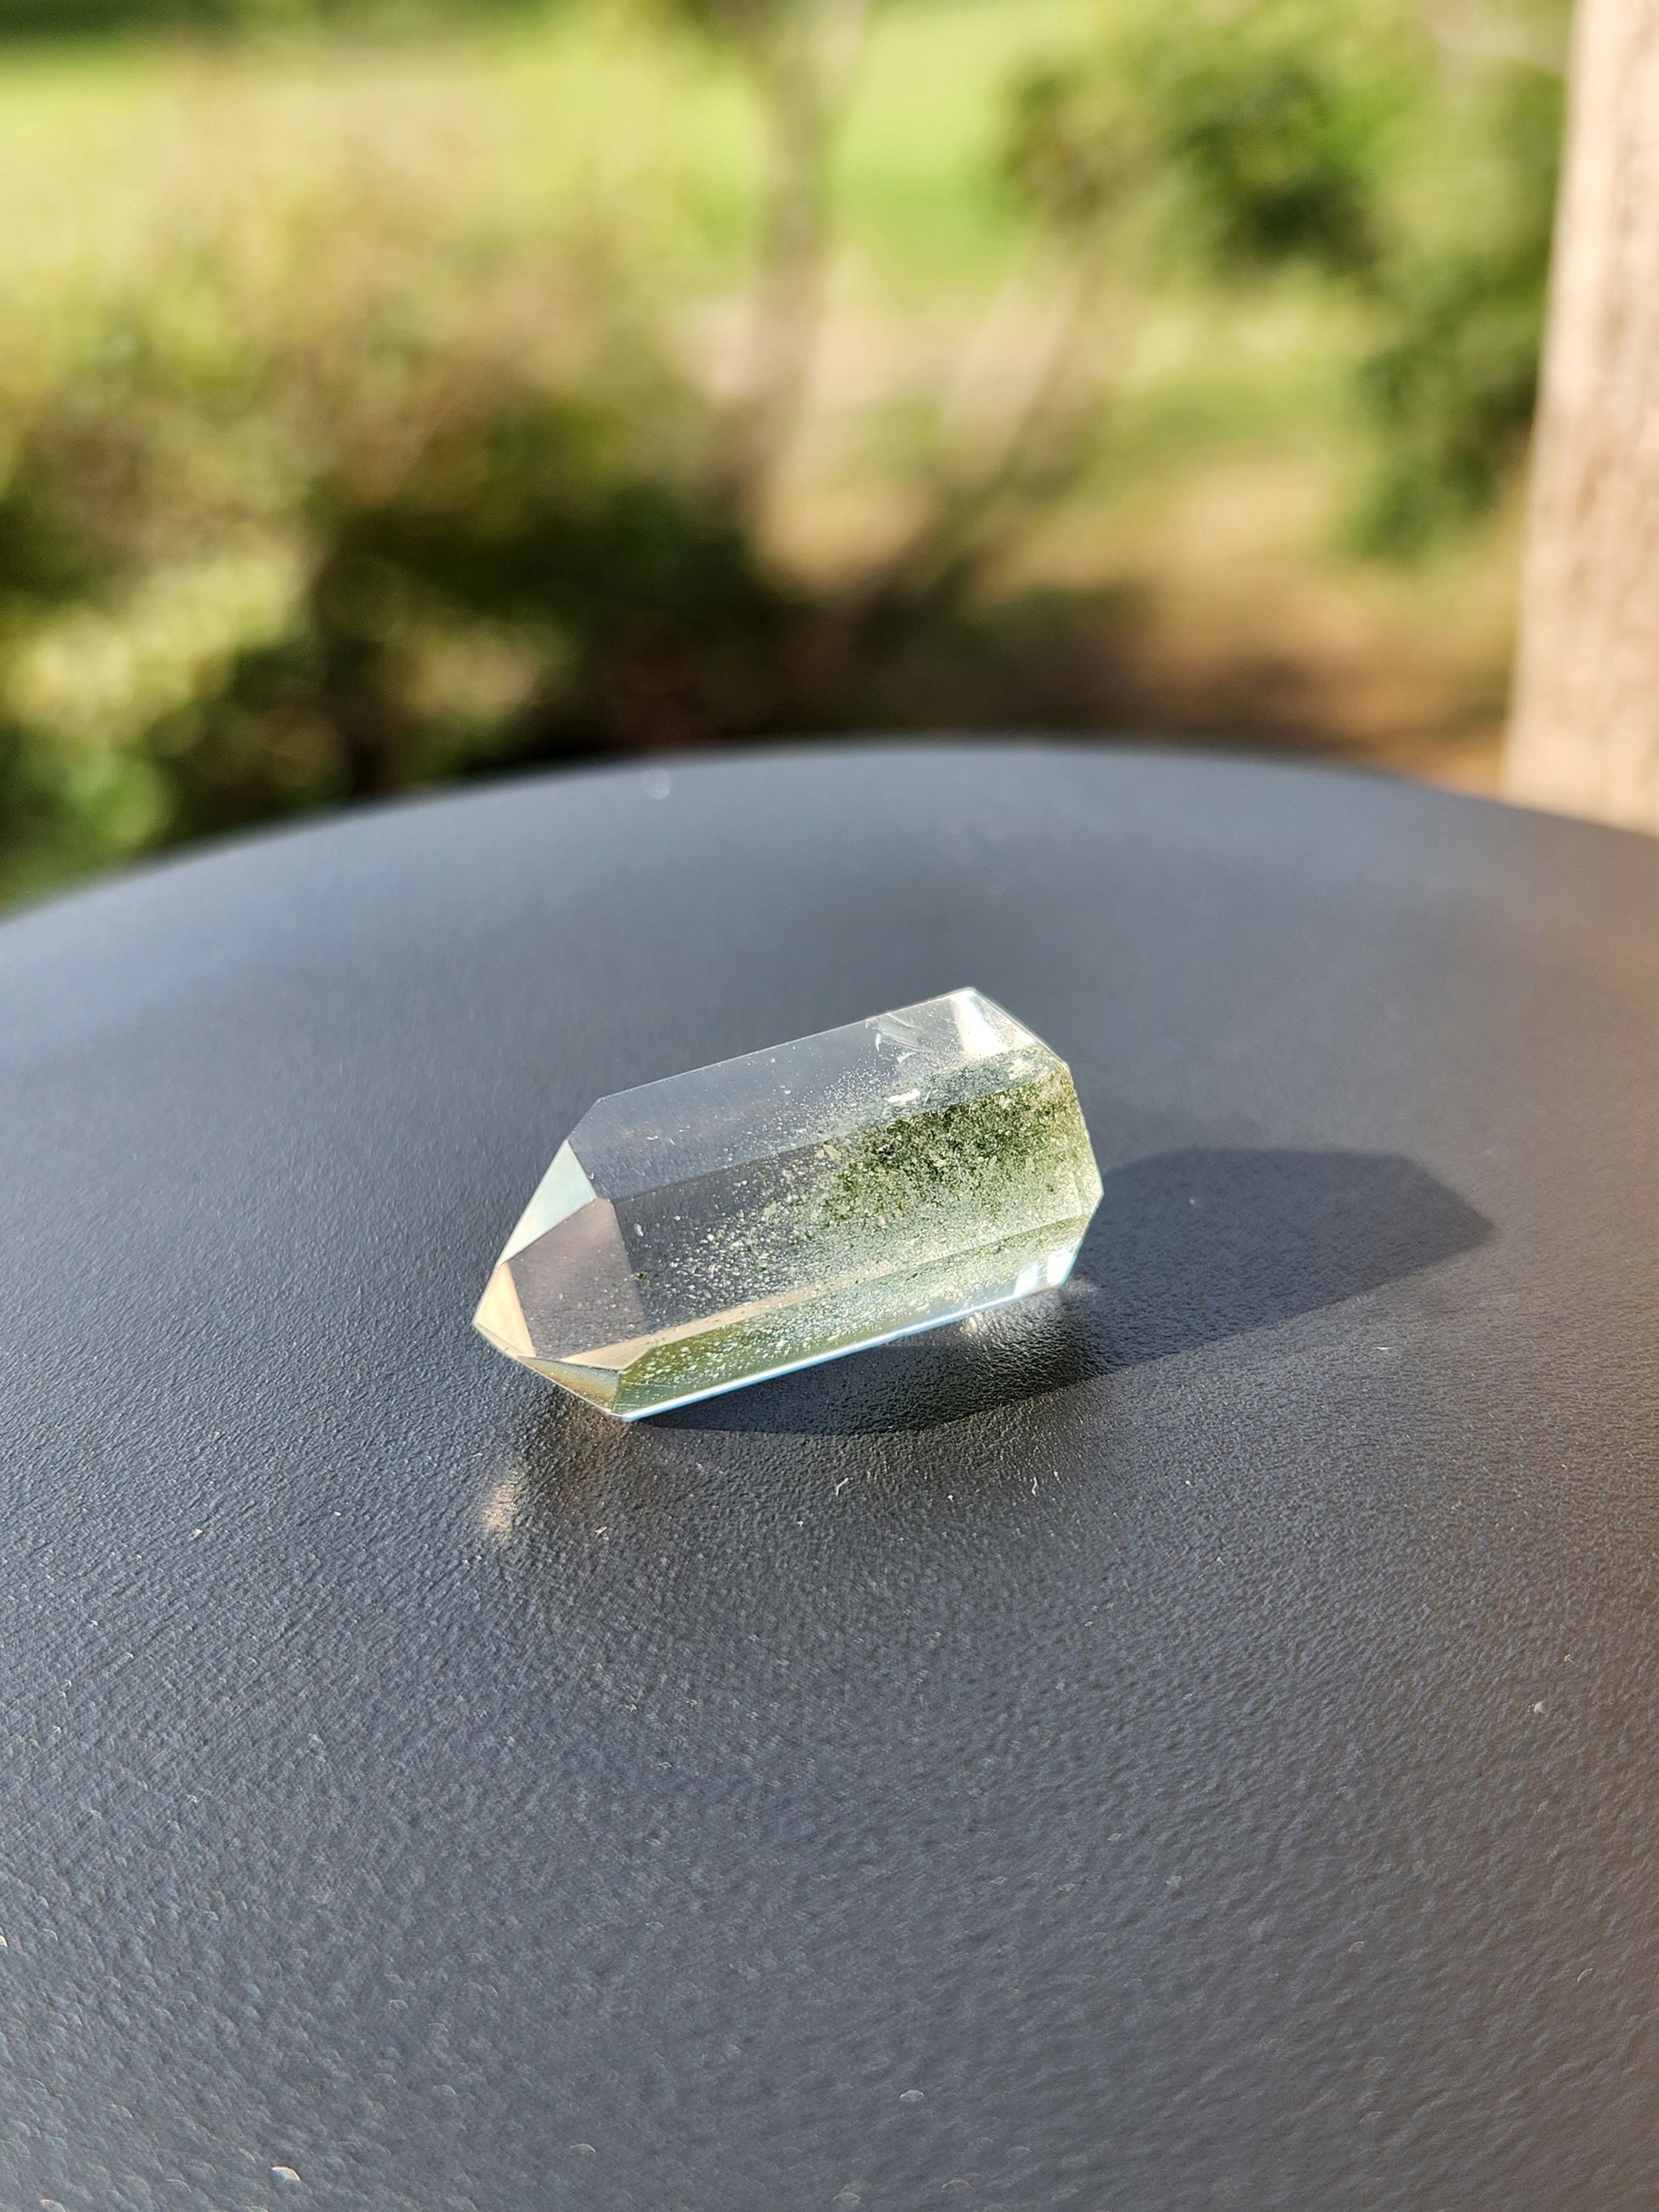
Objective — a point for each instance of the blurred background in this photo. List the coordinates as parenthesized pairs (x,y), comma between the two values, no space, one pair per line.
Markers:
(395,393)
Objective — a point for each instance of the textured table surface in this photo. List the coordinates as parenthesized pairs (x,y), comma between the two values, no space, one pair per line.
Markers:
(1187,1742)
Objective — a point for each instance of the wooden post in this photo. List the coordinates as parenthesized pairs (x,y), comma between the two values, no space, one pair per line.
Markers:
(1585,731)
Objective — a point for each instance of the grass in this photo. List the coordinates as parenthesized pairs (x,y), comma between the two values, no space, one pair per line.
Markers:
(580,101)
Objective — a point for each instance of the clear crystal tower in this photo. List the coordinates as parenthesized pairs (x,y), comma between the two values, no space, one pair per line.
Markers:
(702,1232)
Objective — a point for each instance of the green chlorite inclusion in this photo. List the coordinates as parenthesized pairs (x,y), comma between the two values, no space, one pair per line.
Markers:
(743,1219)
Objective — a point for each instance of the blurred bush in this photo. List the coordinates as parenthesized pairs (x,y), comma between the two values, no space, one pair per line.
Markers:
(352,439)
(1348,142)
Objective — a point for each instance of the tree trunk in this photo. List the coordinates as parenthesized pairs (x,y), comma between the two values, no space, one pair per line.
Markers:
(1585,732)
(807,72)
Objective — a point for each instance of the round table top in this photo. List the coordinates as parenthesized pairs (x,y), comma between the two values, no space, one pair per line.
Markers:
(1191,1740)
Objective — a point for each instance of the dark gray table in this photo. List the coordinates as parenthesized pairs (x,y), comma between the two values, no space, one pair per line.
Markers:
(1189,1743)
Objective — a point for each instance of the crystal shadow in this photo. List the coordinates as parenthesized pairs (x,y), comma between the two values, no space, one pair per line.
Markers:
(1188,1248)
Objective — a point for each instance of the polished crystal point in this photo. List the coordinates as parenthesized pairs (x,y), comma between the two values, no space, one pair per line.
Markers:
(743,1219)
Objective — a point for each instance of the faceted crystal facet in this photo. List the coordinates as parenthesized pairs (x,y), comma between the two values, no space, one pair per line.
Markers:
(743,1219)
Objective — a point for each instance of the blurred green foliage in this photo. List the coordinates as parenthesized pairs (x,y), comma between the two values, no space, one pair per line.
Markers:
(1289,133)
(79,19)
(1450,377)
(1259,132)
(358,434)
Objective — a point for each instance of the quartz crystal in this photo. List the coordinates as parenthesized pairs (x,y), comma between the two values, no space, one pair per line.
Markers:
(699,1233)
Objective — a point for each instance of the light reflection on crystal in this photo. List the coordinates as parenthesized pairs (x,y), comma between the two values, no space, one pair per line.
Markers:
(740,1220)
